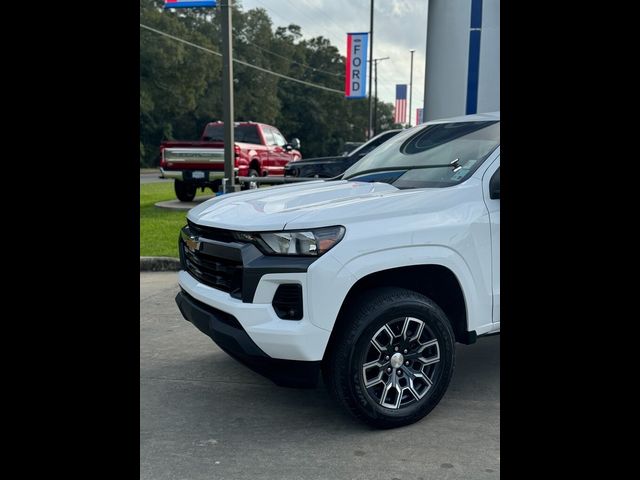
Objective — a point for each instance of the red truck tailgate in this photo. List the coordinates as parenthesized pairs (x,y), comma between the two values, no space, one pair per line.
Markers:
(193,155)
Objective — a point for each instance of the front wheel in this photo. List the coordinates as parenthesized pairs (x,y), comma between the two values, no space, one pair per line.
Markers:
(185,192)
(391,363)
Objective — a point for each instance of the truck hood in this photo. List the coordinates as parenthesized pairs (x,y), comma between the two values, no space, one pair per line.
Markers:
(312,204)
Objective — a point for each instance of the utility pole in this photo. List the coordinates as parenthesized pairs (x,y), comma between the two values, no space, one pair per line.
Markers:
(227,96)
(411,84)
(375,100)
(375,96)
(370,70)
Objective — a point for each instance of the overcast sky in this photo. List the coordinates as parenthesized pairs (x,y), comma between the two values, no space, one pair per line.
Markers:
(399,25)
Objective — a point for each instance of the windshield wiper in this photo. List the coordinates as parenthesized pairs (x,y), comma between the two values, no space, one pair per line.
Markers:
(453,165)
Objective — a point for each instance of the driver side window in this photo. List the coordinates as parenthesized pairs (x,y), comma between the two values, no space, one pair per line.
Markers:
(280,140)
(268,136)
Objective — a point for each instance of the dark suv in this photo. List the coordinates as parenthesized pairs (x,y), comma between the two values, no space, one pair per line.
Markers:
(329,167)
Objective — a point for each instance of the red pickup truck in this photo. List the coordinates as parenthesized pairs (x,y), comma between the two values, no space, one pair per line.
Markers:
(260,150)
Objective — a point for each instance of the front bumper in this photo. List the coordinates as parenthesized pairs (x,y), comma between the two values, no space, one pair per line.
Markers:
(228,333)
(227,278)
(298,340)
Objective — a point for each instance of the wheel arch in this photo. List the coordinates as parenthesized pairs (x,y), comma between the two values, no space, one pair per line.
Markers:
(256,165)
(435,281)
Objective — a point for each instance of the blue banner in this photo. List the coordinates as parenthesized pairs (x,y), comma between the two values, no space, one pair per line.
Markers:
(355,82)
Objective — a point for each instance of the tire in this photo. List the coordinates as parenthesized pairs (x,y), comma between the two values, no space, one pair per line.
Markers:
(215,186)
(184,191)
(405,401)
(251,185)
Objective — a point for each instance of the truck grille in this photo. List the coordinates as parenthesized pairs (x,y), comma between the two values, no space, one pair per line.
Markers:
(219,234)
(217,272)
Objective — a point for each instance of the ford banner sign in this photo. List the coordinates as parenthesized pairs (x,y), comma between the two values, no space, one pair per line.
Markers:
(355,85)
(189,3)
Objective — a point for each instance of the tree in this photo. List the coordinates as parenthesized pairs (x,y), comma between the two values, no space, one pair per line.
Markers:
(180,86)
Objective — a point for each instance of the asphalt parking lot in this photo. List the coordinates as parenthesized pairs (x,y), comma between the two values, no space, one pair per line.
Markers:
(205,416)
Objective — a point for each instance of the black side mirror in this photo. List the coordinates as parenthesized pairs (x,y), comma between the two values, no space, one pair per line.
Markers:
(494,186)
(295,143)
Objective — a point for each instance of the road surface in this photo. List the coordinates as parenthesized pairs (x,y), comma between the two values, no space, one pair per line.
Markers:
(205,416)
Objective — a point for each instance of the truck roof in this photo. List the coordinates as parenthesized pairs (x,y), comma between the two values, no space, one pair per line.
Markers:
(238,123)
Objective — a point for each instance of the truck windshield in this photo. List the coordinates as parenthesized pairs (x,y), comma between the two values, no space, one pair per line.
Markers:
(439,155)
(242,133)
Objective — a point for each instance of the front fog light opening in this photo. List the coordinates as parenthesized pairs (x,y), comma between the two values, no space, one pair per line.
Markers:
(287,301)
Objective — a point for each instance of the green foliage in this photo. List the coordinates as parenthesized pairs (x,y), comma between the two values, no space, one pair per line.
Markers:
(181,87)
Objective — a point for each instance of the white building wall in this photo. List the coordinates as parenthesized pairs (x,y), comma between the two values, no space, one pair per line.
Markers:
(447,59)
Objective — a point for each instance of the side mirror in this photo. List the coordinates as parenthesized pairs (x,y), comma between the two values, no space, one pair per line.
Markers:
(494,186)
(295,143)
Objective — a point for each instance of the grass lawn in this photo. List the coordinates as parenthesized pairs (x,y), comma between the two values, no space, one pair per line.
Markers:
(159,227)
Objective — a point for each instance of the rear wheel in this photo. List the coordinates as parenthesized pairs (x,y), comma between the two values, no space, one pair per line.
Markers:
(184,191)
(215,186)
(391,363)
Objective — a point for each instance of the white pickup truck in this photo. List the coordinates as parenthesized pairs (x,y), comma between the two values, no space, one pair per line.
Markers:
(370,279)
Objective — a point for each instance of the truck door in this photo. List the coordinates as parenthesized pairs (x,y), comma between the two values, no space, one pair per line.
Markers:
(270,142)
(491,193)
(280,155)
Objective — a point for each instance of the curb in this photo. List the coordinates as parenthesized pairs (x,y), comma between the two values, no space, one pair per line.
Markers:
(159,264)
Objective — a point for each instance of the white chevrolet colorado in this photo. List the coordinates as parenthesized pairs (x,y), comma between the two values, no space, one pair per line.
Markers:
(370,279)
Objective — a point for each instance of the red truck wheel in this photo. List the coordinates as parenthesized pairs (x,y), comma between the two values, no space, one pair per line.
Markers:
(184,191)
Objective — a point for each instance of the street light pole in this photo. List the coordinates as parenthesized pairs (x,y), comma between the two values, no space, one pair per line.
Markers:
(227,96)
(375,100)
(370,70)
(411,85)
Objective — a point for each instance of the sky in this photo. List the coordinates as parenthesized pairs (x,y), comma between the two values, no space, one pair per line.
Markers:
(399,26)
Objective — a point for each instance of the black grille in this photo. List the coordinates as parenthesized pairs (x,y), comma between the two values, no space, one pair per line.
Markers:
(220,273)
(219,234)
(287,302)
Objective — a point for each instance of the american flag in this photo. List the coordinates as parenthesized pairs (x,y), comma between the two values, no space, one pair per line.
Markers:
(401,104)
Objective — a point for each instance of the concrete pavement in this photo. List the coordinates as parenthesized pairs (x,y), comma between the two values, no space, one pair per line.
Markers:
(205,416)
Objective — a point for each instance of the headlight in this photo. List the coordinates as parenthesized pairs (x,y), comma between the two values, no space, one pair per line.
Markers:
(309,242)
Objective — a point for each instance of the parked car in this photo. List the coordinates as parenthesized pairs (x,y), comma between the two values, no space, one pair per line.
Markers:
(329,167)
(350,147)
(370,279)
(260,150)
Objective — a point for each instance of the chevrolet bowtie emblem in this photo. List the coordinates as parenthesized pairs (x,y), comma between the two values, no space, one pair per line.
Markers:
(192,244)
